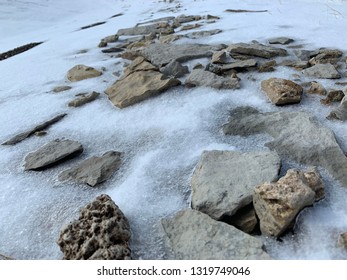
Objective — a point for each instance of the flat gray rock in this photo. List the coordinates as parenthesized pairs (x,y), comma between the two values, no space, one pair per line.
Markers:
(162,54)
(322,71)
(94,170)
(239,65)
(258,50)
(52,153)
(203,33)
(200,77)
(281,40)
(174,69)
(193,235)
(223,181)
(297,136)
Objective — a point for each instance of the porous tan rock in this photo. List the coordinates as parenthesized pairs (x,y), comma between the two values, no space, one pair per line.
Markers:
(101,232)
(82,72)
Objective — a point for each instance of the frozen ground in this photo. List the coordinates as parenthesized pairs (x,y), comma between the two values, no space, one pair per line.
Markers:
(162,138)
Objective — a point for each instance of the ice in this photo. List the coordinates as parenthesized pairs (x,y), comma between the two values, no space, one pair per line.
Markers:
(162,138)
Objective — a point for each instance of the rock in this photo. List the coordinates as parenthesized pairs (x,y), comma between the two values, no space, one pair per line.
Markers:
(23,135)
(267,66)
(258,50)
(110,39)
(203,33)
(277,204)
(340,113)
(174,69)
(128,41)
(326,56)
(170,38)
(190,26)
(223,181)
(101,232)
(305,55)
(94,170)
(281,40)
(147,84)
(40,133)
(316,88)
(219,57)
(162,54)
(195,236)
(239,65)
(157,28)
(333,96)
(83,99)
(322,71)
(81,72)
(199,77)
(113,50)
(298,65)
(297,136)
(61,88)
(52,153)
(342,241)
(102,44)
(281,91)
(183,18)
(198,66)
(139,64)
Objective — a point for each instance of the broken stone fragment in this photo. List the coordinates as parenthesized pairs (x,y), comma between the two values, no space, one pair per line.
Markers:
(203,33)
(219,57)
(139,64)
(200,77)
(83,99)
(331,56)
(282,91)
(256,49)
(281,40)
(316,88)
(82,72)
(267,66)
(190,26)
(157,28)
(193,235)
(333,96)
(323,71)
(102,232)
(52,154)
(94,170)
(174,69)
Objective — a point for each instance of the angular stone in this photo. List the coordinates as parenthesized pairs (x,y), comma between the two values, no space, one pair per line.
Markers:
(184,18)
(113,50)
(170,38)
(101,232)
(281,40)
(174,69)
(190,26)
(331,56)
(139,64)
(322,71)
(94,170)
(156,28)
(223,181)
(21,136)
(195,236)
(277,204)
(244,220)
(61,88)
(298,136)
(305,55)
(84,99)
(203,33)
(219,57)
(82,72)
(162,54)
(147,84)
(340,113)
(316,88)
(267,66)
(258,50)
(239,65)
(110,39)
(333,96)
(281,91)
(52,153)
(199,77)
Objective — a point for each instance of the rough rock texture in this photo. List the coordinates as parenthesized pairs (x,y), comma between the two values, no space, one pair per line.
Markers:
(101,232)
(203,33)
(52,153)
(84,99)
(157,28)
(199,77)
(277,204)
(342,241)
(281,40)
(267,66)
(82,72)
(184,18)
(23,135)
(316,88)
(223,181)
(340,113)
(333,96)
(94,170)
(326,56)
(322,71)
(147,84)
(256,50)
(162,54)
(174,69)
(139,64)
(61,88)
(219,57)
(281,91)
(239,65)
(195,236)
(297,136)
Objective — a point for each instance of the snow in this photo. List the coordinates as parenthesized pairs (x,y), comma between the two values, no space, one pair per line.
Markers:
(162,138)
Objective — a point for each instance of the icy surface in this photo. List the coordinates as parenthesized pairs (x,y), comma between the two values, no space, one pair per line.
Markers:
(163,137)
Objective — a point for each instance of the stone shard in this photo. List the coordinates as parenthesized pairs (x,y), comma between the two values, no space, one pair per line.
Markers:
(200,77)
(278,204)
(174,69)
(322,71)
(162,54)
(21,136)
(84,99)
(94,170)
(101,232)
(258,50)
(281,40)
(297,136)
(282,91)
(323,56)
(52,153)
(82,72)
(219,57)
(61,88)
(157,28)
(223,181)
(340,113)
(195,236)
(147,84)
(239,65)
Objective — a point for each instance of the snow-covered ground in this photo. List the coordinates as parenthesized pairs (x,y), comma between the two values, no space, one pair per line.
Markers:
(162,137)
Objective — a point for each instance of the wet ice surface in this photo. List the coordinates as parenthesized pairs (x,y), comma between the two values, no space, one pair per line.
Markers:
(162,138)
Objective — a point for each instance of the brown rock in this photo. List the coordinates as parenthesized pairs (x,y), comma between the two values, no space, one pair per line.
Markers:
(333,96)
(342,241)
(316,88)
(219,57)
(281,91)
(267,66)
(83,99)
(61,88)
(82,72)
